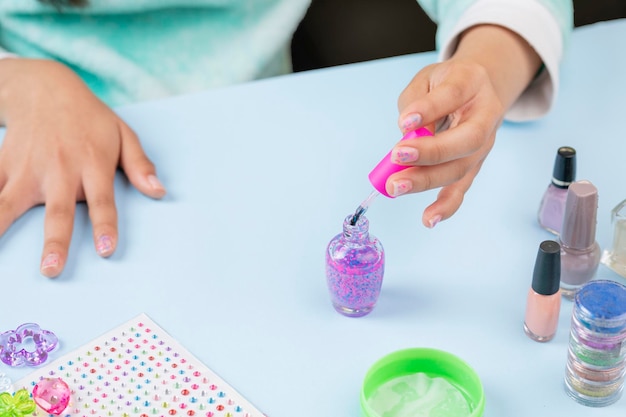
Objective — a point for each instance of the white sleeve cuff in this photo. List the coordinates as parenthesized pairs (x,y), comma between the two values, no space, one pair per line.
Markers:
(5,54)
(533,22)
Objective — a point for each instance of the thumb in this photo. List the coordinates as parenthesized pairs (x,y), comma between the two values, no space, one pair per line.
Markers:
(136,165)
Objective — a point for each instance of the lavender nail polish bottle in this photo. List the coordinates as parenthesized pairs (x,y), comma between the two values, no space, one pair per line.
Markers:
(552,205)
(355,264)
(580,252)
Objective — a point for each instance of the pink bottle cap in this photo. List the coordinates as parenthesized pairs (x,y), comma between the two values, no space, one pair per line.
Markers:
(382,171)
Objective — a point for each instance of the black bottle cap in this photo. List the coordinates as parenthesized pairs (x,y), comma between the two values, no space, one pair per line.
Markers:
(547,274)
(564,172)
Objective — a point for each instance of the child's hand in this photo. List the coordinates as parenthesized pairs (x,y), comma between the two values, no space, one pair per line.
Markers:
(466,98)
(459,95)
(63,145)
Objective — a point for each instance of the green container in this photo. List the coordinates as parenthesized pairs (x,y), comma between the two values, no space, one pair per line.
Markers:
(432,362)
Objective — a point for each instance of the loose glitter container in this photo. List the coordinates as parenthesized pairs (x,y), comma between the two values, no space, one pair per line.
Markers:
(596,360)
(421,382)
(355,264)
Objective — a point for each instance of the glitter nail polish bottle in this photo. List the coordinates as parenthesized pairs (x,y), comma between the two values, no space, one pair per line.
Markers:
(580,253)
(552,205)
(544,299)
(355,264)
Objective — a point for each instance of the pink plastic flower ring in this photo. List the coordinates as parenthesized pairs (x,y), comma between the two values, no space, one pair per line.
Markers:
(52,395)
(14,345)
(17,405)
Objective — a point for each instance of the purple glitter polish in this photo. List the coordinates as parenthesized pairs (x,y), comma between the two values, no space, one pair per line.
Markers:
(355,264)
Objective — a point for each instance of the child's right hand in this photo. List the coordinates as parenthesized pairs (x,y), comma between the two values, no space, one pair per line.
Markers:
(62,146)
(469,94)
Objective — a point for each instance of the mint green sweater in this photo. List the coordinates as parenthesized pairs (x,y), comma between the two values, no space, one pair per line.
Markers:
(134,50)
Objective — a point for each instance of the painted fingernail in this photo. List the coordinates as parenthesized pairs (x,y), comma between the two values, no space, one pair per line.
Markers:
(411,122)
(403,154)
(104,245)
(155,183)
(433,221)
(50,264)
(400,187)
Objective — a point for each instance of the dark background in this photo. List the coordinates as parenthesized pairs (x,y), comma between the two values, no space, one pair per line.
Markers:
(336,32)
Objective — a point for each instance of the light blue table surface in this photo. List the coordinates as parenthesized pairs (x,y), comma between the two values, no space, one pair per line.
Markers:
(260,178)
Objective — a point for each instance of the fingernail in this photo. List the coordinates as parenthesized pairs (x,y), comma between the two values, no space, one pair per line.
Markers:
(400,187)
(155,183)
(403,154)
(411,122)
(50,264)
(433,222)
(104,245)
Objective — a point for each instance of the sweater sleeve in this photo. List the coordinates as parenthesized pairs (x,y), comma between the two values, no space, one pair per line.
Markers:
(545,24)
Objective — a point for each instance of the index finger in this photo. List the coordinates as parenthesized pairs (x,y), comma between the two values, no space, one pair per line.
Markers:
(438,91)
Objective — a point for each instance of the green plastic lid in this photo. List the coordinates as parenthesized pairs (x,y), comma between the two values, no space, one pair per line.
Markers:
(430,365)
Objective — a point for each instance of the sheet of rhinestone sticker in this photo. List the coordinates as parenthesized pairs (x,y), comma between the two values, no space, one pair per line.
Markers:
(138,370)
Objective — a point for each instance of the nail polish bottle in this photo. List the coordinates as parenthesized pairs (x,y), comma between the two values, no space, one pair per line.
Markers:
(355,264)
(552,205)
(580,253)
(544,298)
(615,257)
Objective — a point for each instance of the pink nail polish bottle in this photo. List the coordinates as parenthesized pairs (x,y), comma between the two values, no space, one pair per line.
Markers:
(544,299)
(382,171)
(552,205)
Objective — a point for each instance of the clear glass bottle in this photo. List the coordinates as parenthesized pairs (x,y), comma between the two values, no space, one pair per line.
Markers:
(552,204)
(355,264)
(615,257)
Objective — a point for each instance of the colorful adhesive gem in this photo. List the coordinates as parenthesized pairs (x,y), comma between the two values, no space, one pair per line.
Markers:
(12,342)
(113,378)
(5,383)
(52,395)
(17,405)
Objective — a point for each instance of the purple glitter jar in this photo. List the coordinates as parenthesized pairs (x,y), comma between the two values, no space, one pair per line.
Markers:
(355,263)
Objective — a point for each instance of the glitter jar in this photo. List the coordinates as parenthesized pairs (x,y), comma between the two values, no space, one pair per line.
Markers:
(596,360)
(355,263)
